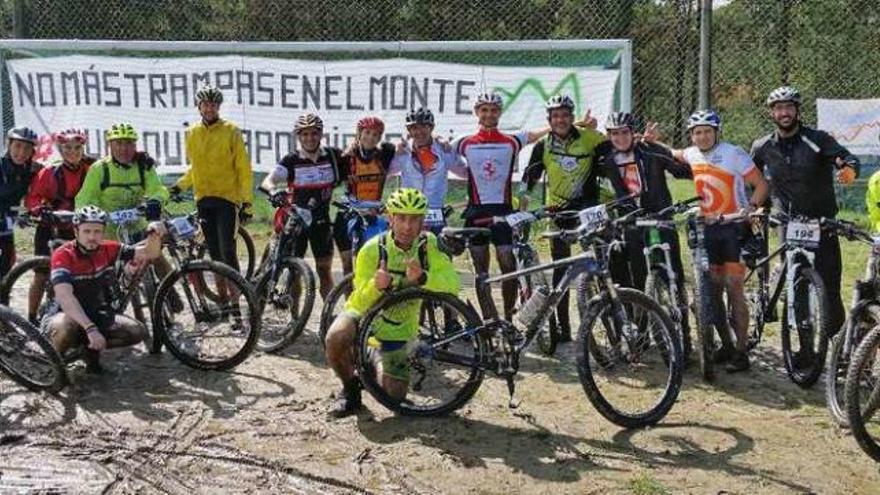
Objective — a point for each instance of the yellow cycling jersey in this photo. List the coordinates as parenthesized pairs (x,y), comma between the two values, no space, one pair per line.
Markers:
(219,164)
(872,200)
(399,323)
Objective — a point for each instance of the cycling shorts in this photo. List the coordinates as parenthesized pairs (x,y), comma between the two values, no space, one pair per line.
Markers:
(395,360)
(501,234)
(724,243)
(7,254)
(219,219)
(319,236)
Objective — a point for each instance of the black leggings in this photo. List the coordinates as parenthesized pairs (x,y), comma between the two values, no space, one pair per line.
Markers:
(220,223)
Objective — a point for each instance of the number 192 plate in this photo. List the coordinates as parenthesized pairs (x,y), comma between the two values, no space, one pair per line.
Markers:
(593,217)
(803,232)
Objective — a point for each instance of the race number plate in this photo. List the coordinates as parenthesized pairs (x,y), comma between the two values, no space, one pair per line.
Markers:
(592,218)
(305,214)
(434,217)
(122,217)
(518,218)
(803,232)
(182,228)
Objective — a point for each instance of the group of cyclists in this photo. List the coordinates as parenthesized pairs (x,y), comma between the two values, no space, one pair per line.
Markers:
(794,166)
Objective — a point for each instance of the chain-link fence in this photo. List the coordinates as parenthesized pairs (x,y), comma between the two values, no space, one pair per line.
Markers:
(828,48)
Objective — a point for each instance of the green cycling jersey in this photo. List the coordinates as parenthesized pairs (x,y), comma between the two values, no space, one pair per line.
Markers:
(112,186)
(401,322)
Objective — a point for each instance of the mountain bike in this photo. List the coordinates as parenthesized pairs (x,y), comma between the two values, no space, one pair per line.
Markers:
(453,349)
(805,325)
(285,284)
(710,315)
(864,315)
(862,393)
(662,283)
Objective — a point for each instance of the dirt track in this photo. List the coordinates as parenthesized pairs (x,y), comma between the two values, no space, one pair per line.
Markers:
(153,425)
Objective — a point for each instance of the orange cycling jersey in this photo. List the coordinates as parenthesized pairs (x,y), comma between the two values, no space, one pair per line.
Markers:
(367,172)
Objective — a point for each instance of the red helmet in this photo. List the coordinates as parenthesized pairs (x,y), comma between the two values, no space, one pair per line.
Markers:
(70,135)
(371,122)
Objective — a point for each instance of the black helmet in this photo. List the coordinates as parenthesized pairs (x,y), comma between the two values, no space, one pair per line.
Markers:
(420,116)
(559,101)
(309,121)
(619,120)
(22,134)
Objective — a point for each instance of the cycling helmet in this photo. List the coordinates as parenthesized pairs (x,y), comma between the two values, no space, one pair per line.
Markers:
(90,214)
(784,93)
(619,120)
(309,121)
(209,93)
(122,130)
(70,136)
(407,201)
(22,134)
(370,122)
(704,117)
(420,116)
(491,98)
(559,101)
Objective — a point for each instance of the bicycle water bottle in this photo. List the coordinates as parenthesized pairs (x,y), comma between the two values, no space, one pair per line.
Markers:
(536,303)
(654,237)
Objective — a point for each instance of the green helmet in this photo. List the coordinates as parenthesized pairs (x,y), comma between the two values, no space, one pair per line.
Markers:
(122,130)
(407,201)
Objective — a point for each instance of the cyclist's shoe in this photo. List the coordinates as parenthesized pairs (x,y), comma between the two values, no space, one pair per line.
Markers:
(723,354)
(739,362)
(803,359)
(348,402)
(93,362)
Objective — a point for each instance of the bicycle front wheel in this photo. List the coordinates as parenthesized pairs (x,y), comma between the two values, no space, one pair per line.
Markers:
(438,370)
(863,394)
(27,357)
(205,334)
(862,321)
(640,376)
(285,301)
(657,288)
(705,327)
(805,340)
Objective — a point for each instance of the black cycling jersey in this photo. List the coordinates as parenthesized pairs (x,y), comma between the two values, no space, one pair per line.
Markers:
(644,175)
(800,170)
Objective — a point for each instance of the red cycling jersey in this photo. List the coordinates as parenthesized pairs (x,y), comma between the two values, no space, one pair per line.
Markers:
(57,186)
(91,274)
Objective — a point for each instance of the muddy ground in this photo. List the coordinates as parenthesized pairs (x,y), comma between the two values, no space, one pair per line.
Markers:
(152,425)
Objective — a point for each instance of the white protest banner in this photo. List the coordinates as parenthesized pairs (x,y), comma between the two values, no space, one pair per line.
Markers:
(265,95)
(854,123)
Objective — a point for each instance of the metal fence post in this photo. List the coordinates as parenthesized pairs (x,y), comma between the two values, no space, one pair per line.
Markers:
(19,19)
(705,88)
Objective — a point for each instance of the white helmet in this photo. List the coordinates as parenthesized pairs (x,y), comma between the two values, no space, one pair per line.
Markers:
(784,93)
(490,98)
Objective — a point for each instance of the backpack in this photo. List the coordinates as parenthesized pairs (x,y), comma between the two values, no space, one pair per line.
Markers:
(105,180)
(423,251)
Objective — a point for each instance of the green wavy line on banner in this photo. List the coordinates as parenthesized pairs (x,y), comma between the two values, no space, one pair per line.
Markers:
(538,87)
